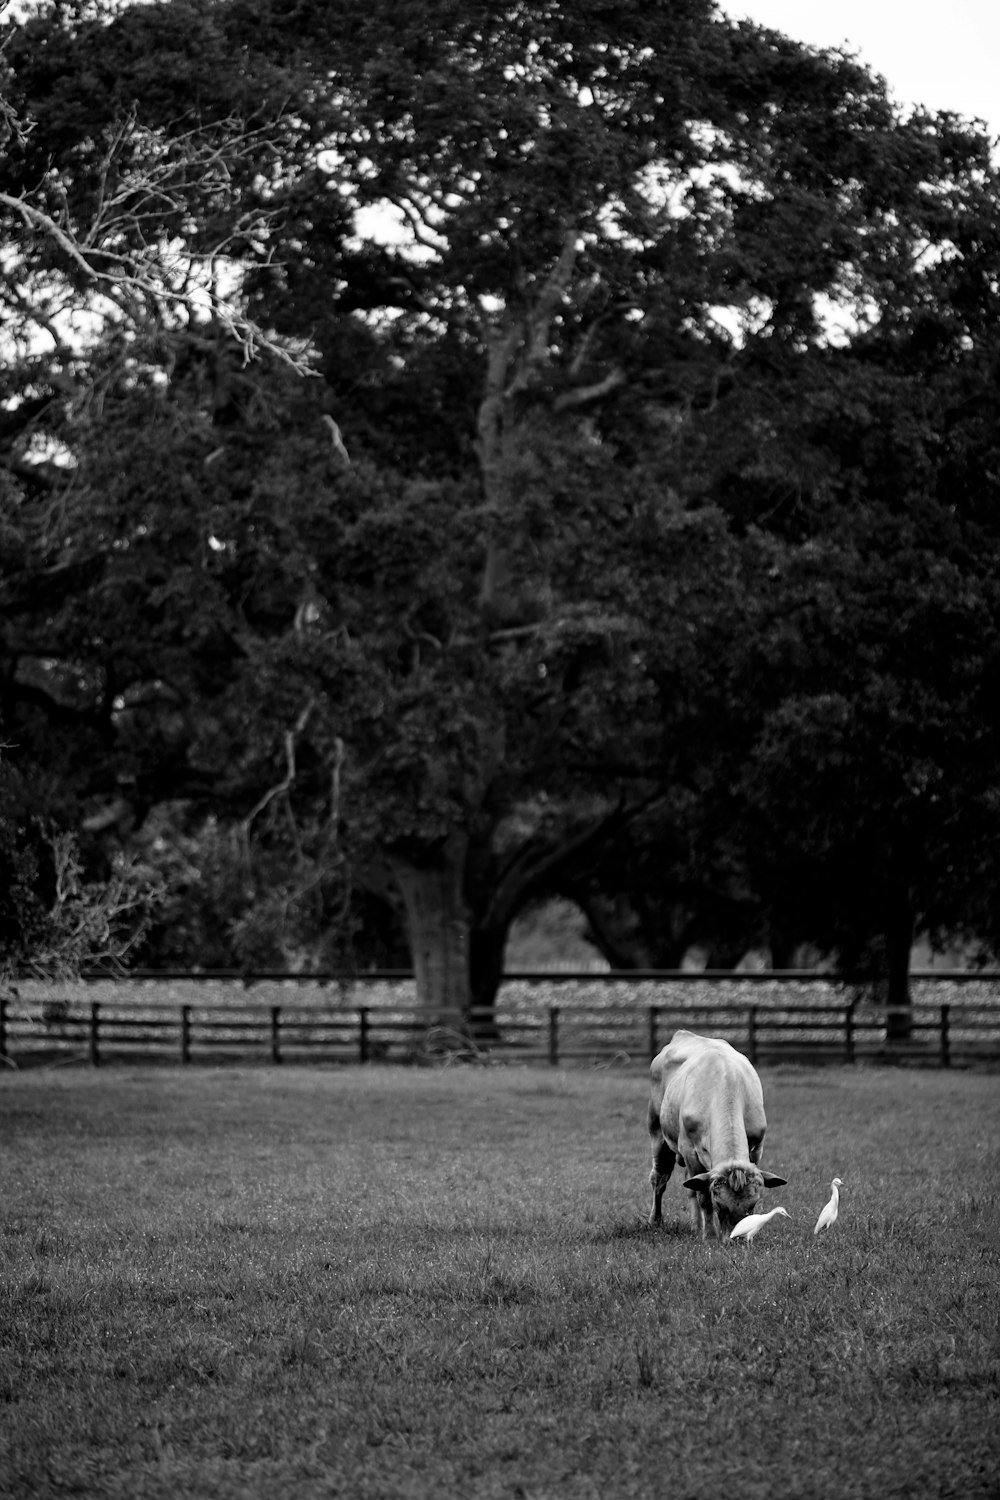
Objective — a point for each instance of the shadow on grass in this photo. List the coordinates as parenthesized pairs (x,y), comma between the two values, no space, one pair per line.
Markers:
(641,1229)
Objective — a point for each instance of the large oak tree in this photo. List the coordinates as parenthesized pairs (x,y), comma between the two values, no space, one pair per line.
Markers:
(540,256)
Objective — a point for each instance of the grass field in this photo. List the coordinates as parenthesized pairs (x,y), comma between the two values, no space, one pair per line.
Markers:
(405,1283)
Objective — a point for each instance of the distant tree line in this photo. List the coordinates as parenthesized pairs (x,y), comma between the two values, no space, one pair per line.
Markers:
(453,456)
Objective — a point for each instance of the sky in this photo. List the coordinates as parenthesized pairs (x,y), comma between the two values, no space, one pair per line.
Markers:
(942,55)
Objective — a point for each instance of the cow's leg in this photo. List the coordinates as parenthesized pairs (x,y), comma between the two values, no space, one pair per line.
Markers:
(699,1218)
(663,1165)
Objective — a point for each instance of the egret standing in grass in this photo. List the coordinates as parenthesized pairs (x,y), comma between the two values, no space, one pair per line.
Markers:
(748,1227)
(830,1211)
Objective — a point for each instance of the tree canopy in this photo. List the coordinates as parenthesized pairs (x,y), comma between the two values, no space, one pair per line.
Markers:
(616,473)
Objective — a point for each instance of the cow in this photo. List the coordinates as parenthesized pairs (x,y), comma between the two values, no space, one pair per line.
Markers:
(707,1107)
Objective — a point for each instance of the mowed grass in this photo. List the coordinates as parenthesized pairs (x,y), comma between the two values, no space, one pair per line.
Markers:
(390,1283)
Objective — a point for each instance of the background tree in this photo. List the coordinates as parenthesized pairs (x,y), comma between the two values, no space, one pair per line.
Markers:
(113,277)
(451,665)
(872,469)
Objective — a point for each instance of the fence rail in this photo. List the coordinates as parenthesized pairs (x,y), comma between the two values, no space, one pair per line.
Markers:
(943,1035)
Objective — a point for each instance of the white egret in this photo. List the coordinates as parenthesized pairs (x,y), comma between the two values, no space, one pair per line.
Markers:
(748,1227)
(829,1214)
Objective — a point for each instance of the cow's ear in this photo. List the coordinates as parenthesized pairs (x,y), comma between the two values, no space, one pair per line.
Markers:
(700,1182)
(770,1180)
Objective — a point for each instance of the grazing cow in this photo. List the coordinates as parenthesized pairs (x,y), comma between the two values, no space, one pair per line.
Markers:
(706,1106)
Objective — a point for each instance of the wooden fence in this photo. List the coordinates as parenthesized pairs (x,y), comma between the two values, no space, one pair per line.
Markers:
(59,1030)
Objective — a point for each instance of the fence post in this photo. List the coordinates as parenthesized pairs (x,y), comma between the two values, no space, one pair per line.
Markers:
(185,1033)
(553,1035)
(95,1044)
(276,1033)
(849,1033)
(363,1033)
(654,1030)
(945,1038)
(752,1033)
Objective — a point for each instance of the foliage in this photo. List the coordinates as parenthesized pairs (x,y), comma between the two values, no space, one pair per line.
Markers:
(111,213)
(880,752)
(678,333)
(53,920)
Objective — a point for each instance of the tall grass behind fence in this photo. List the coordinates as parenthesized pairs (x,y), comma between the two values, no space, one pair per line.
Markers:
(539,1018)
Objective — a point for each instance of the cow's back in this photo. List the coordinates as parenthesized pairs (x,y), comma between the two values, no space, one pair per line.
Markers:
(702,1088)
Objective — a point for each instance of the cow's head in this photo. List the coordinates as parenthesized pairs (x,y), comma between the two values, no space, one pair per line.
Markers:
(733,1189)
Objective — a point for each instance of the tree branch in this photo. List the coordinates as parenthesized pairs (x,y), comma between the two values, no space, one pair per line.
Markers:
(549,300)
(291,736)
(583,395)
(530,870)
(158,267)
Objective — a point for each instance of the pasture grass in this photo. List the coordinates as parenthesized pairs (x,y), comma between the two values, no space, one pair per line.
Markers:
(404,1283)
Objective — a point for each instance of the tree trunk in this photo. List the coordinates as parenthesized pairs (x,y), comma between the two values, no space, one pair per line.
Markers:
(623,938)
(898,944)
(437,921)
(488,948)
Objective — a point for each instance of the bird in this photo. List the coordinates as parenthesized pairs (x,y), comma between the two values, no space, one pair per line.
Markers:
(829,1214)
(748,1227)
